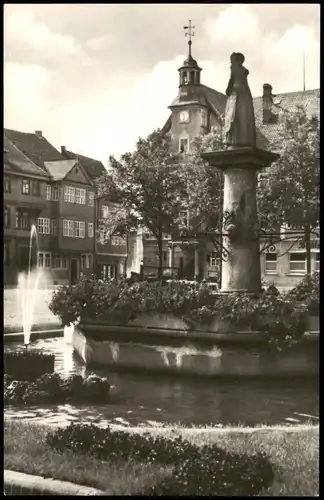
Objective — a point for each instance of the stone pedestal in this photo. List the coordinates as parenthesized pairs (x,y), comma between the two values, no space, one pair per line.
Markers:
(241,271)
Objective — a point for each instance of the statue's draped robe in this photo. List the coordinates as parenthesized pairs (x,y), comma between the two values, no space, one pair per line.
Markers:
(239,127)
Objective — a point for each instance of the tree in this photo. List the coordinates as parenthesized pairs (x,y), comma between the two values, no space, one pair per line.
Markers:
(148,188)
(203,195)
(290,194)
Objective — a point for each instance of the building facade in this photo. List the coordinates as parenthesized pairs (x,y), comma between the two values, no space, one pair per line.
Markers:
(54,191)
(197,110)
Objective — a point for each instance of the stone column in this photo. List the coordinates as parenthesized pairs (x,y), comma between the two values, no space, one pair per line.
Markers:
(196,257)
(241,271)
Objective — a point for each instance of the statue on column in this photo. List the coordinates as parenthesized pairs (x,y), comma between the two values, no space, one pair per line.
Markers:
(239,127)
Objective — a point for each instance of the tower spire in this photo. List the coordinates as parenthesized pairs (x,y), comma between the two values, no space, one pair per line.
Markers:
(190,34)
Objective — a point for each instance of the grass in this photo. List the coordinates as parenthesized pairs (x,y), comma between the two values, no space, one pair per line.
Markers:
(293,451)
(25,450)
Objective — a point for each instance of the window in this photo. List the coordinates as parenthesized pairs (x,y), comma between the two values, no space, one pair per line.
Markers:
(86,260)
(36,188)
(297,262)
(184,145)
(52,193)
(89,260)
(5,253)
(90,229)
(117,241)
(91,199)
(43,225)
(263,180)
(80,196)
(48,192)
(55,193)
(165,256)
(69,194)
(54,227)
(213,259)
(44,260)
(59,262)
(23,220)
(79,229)
(83,261)
(6,184)
(25,189)
(271,262)
(317,261)
(6,217)
(204,118)
(104,211)
(68,228)
(184,218)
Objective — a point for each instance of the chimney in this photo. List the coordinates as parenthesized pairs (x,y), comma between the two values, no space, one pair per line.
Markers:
(39,134)
(267,102)
(63,148)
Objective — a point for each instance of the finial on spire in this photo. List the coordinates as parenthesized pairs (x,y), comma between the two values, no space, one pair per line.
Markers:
(190,34)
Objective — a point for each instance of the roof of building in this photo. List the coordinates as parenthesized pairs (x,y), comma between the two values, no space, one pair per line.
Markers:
(93,168)
(216,101)
(265,132)
(16,161)
(203,95)
(309,99)
(59,169)
(35,146)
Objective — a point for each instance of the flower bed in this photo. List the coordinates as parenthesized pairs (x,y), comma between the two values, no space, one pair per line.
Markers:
(281,317)
(206,470)
(27,365)
(54,389)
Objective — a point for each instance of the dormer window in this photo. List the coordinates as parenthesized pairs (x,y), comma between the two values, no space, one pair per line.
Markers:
(184,145)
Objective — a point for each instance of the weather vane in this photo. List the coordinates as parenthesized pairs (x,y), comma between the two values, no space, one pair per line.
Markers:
(190,34)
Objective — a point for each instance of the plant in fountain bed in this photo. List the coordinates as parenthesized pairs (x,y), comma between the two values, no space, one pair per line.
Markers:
(280,317)
(52,388)
(28,365)
(206,470)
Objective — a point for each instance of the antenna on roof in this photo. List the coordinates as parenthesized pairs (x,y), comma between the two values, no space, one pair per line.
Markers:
(304,78)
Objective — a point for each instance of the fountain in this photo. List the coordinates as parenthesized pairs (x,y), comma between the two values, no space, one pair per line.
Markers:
(28,365)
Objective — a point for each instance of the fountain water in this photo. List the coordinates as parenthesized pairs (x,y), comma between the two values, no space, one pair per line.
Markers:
(28,365)
(27,290)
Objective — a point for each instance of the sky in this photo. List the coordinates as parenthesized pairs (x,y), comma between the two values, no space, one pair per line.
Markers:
(95,77)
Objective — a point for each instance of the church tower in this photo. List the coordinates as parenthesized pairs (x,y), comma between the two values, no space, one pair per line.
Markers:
(190,113)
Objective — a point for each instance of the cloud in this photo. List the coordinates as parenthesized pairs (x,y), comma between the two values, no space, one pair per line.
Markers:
(26,40)
(99,43)
(237,27)
(95,77)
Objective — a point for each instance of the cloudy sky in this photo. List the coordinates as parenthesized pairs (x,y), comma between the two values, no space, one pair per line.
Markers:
(95,77)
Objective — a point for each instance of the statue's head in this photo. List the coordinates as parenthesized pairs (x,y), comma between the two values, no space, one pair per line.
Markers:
(237,58)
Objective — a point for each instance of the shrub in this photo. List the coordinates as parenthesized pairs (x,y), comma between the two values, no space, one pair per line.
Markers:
(281,317)
(208,470)
(307,292)
(52,388)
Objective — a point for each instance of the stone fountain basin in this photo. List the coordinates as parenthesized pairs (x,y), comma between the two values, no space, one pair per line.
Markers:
(28,365)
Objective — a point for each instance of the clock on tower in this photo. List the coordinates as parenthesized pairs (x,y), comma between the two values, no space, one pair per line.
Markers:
(184,116)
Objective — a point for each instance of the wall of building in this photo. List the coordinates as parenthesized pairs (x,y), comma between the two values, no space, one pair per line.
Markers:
(189,129)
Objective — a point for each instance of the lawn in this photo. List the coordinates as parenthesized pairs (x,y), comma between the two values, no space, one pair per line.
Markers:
(25,451)
(13,313)
(294,453)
